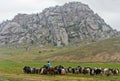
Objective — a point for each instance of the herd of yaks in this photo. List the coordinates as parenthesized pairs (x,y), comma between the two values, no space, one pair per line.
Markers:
(60,70)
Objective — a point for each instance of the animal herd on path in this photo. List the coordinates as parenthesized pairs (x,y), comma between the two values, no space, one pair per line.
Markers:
(60,70)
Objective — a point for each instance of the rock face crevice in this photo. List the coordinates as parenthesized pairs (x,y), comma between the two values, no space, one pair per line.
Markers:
(64,25)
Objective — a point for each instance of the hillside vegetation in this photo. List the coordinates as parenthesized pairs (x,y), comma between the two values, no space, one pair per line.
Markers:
(13,59)
(102,51)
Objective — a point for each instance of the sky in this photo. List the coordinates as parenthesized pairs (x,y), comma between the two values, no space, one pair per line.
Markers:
(109,10)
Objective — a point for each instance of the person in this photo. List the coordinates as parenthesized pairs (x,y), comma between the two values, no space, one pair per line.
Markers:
(48,64)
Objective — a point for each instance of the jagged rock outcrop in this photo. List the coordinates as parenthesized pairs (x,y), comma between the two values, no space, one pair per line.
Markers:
(71,23)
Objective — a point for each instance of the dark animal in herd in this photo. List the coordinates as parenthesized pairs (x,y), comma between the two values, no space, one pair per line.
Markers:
(28,70)
(78,70)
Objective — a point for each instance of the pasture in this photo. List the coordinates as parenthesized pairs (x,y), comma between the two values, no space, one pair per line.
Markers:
(12,71)
(101,54)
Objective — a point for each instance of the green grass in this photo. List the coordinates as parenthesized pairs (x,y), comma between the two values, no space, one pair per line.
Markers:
(108,50)
(102,54)
(12,71)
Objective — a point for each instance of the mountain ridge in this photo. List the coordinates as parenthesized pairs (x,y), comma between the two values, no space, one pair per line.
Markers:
(70,24)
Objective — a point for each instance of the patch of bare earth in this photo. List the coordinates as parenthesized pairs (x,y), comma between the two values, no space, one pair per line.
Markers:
(100,57)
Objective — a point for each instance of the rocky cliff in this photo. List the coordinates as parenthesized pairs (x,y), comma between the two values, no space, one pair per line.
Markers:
(69,24)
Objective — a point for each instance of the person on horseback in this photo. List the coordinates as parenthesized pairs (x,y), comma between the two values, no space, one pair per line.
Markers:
(48,65)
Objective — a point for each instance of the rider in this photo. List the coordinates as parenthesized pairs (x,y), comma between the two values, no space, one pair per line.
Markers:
(48,64)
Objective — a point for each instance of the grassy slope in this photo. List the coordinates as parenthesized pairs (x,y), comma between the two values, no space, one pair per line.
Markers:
(13,59)
(101,51)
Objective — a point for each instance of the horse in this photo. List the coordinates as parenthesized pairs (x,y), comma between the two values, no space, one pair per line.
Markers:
(27,69)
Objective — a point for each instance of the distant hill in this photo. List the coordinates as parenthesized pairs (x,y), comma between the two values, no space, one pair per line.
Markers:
(73,23)
(101,51)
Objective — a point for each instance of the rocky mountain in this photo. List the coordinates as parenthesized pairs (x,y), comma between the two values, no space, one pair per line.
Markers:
(69,24)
